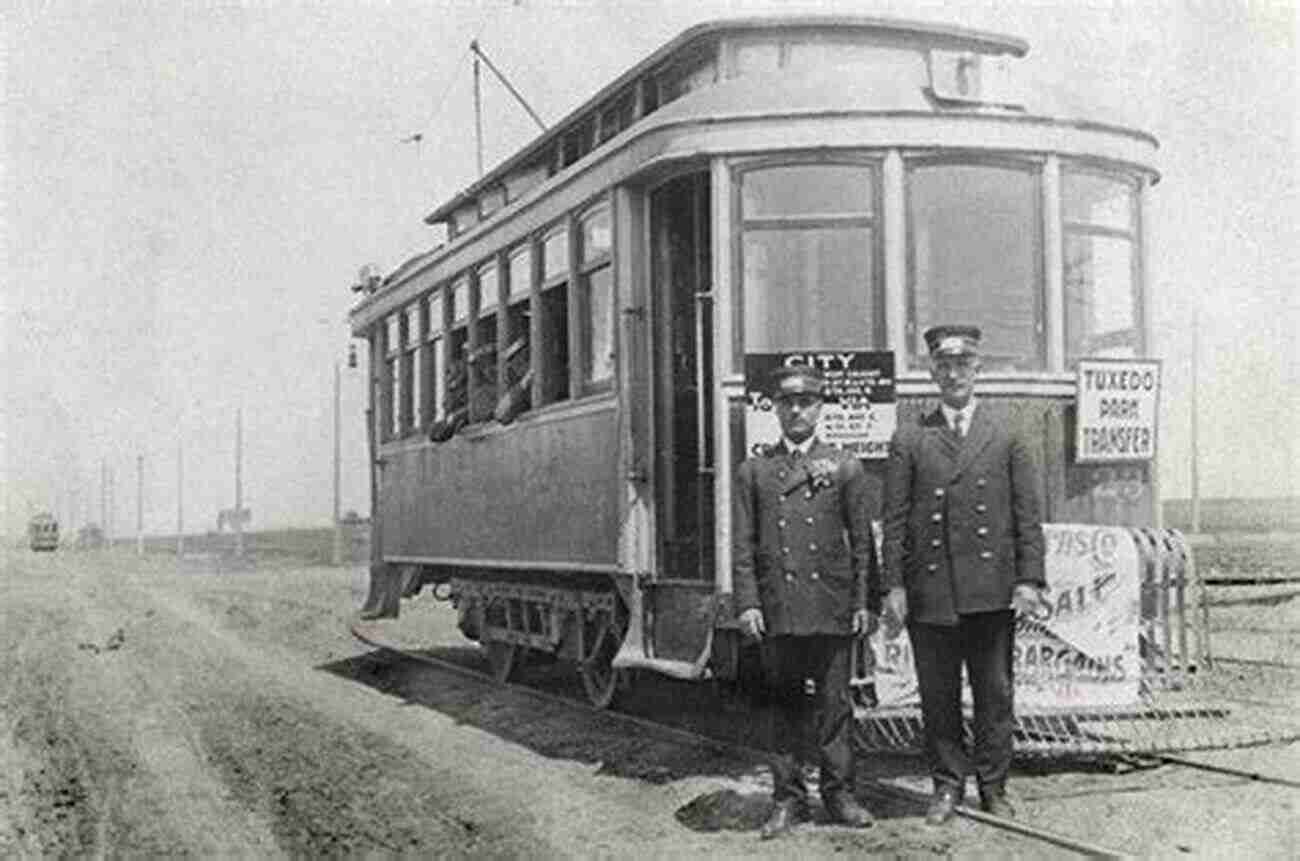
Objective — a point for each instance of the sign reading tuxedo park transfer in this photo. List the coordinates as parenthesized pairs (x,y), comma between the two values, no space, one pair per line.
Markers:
(859,415)
(1117,405)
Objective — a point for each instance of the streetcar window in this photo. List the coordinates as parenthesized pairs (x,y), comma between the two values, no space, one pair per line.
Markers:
(597,296)
(555,316)
(483,359)
(975,258)
(412,343)
(809,237)
(1100,266)
(458,344)
(518,320)
(393,348)
(434,364)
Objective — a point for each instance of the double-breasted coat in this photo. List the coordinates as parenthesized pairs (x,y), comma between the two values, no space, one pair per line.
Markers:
(802,547)
(961,517)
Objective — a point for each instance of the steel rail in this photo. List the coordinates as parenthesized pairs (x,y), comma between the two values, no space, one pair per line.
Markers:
(919,799)
(1223,769)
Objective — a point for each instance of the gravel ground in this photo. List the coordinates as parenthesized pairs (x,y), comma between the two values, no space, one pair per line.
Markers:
(147,709)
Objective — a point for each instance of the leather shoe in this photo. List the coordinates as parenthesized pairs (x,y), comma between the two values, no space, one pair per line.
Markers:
(943,805)
(845,809)
(997,804)
(784,816)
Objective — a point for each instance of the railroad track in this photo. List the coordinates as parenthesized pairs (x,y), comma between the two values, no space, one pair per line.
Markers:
(878,789)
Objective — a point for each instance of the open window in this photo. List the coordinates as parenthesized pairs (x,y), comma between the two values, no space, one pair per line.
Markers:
(392,412)
(516,362)
(434,408)
(483,350)
(554,335)
(596,289)
(458,355)
(412,347)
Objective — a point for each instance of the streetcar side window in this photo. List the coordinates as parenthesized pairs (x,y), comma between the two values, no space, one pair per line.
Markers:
(458,349)
(392,377)
(810,259)
(1100,278)
(596,290)
(483,355)
(434,407)
(975,255)
(555,315)
(412,343)
(518,356)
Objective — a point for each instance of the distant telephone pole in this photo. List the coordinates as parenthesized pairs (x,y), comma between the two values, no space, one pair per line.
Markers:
(1195,465)
(180,500)
(139,505)
(239,482)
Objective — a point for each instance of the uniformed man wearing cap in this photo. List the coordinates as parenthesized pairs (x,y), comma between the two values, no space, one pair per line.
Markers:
(806,581)
(963,553)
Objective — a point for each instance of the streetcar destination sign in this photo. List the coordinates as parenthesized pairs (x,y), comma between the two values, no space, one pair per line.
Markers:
(1117,404)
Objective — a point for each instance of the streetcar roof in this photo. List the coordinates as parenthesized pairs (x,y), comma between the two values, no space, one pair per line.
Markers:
(914,34)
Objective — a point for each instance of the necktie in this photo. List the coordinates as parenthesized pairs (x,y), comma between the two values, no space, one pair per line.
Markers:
(957,424)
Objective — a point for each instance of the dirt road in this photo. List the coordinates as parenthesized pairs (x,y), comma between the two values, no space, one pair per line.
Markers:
(151,709)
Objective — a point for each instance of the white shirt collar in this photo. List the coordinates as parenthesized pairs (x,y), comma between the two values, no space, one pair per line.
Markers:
(967,413)
(801,447)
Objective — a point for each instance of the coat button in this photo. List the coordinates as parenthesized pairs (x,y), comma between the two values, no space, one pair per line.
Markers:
(938,492)
(983,530)
(785,549)
(815,575)
(808,495)
(986,554)
(780,473)
(937,517)
(980,482)
(812,547)
(808,520)
(932,567)
(789,577)
(781,522)
(981,508)
(936,542)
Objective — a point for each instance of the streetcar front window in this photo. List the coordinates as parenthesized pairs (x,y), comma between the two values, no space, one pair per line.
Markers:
(975,258)
(1100,277)
(809,258)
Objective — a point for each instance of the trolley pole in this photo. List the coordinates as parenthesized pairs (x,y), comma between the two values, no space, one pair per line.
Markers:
(478,117)
(337,554)
(239,482)
(180,500)
(139,505)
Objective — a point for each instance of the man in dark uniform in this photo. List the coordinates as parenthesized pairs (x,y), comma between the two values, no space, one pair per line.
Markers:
(963,554)
(805,571)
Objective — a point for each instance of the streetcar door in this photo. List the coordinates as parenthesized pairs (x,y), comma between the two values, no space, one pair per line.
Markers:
(682,311)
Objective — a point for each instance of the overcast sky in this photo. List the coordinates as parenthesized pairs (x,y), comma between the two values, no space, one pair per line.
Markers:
(190,189)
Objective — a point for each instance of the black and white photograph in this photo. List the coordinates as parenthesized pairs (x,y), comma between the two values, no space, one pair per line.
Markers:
(649,428)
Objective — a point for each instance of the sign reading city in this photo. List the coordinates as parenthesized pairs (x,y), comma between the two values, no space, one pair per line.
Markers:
(860,414)
(1117,404)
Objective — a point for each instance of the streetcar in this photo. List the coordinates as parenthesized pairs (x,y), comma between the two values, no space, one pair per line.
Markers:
(43,532)
(559,394)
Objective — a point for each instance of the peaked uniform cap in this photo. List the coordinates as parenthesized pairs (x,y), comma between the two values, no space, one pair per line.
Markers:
(953,340)
(792,380)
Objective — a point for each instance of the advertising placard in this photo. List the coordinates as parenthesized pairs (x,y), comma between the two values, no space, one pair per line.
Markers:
(1083,651)
(1117,404)
(860,414)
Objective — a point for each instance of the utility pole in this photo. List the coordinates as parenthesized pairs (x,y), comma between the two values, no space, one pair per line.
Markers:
(180,500)
(112,512)
(139,505)
(103,496)
(1195,465)
(239,482)
(337,554)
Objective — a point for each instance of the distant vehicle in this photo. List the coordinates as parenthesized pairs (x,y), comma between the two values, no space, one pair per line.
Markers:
(90,537)
(43,532)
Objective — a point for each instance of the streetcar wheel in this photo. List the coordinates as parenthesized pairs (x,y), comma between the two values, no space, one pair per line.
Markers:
(502,657)
(601,681)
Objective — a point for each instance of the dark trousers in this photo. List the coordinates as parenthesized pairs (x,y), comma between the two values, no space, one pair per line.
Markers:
(984,643)
(798,724)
